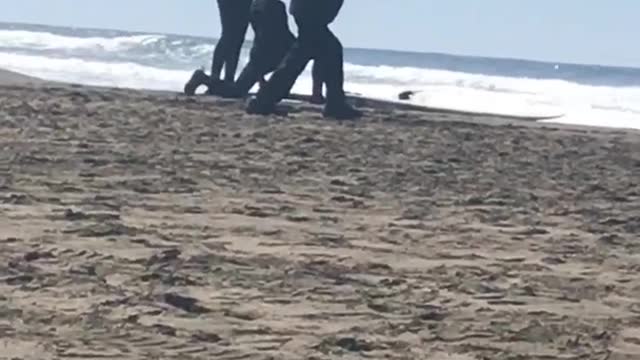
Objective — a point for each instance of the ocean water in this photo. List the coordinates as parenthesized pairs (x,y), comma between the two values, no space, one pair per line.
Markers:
(585,94)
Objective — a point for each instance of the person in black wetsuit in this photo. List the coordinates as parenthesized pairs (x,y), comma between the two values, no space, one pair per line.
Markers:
(315,41)
(234,17)
(272,41)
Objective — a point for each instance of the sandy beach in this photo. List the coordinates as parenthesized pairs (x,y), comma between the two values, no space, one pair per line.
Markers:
(147,225)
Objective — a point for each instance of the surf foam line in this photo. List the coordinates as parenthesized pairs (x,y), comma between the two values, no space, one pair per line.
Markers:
(42,40)
(581,104)
(74,70)
(586,105)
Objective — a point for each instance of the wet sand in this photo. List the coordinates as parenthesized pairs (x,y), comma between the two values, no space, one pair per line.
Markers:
(143,225)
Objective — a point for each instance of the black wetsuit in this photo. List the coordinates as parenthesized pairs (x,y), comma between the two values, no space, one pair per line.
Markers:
(234,17)
(315,41)
(272,41)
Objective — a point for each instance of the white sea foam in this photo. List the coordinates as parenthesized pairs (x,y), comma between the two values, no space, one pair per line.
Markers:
(81,71)
(43,40)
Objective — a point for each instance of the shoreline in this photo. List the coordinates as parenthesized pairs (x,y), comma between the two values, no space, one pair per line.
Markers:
(11,78)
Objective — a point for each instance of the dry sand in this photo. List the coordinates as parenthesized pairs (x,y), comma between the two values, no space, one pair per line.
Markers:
(140,225)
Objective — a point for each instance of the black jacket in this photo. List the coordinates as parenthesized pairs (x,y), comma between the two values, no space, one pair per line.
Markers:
(324,11)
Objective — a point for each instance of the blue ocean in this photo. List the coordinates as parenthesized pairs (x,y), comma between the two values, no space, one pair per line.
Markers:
(585,94)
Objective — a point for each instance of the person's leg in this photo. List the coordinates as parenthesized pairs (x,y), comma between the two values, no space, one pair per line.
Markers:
(264,60)
(318,82)
(252,73)
(285,76)
(272,40)
(225,8)
(198,79)
(332,62)
(262,82)
(331,59)
(236,38)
